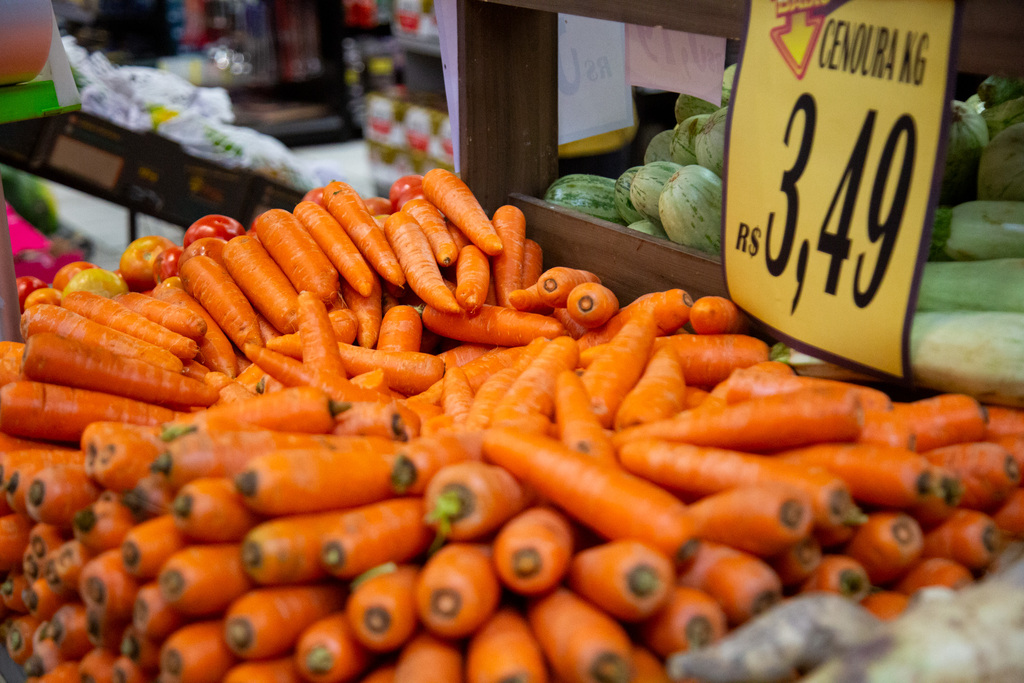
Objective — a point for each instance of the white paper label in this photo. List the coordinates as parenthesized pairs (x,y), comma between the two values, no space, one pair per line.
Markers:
(675,61)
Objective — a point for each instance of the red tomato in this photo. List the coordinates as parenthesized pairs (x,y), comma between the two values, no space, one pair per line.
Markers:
(405,188)
(43,295)
(316,195)
(166,263)
(378,206)
(26,285)
(139,259)
(68,271)
(213,225)
(207,246)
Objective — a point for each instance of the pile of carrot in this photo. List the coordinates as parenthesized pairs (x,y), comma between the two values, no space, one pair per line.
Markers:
(353,448)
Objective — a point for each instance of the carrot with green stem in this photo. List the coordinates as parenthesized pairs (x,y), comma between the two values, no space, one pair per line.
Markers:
(690,619)
(148,545)
(610,501)
(434,227)
(657,395)
(838,574)
(262,281)
(533,391)
(267,622)
(886,545)
(297,254)
(196,653)
(417,462)
(612,375)
(105,586)
(211,285)
(988,472)
(314,480)
(336,244)
(576,424)
(412,248)
(60,360)
(215,349)
(328,651)
(944,419)
(468,500)
(703,471)
(743,584)
(67,323)
(61,413)
(505,649)
(401,329)
(771,423)
(580,641)
(457,590)
(364,537)
(627,579)
(106,311)
(103,524)
(717,315)
(381,610)
(763,519)
(457,202)
(212,511)
(350,211)
(204,579)
(368,311)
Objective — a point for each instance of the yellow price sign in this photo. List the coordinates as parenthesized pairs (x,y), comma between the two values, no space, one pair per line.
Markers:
(837,131)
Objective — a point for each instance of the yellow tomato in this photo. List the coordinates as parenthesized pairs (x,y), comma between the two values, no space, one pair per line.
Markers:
(43,295)
(98,281)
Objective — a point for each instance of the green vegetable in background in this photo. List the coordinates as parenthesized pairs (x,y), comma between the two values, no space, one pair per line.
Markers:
(1001,169)
(968,135)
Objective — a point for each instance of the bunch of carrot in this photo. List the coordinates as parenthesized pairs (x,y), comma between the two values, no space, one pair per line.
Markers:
(566,489)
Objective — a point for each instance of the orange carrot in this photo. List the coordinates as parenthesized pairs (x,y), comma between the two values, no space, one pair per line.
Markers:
(348,209)
(215,349)
(458,237)
(610,501)
(457,590)
(528,300)
(753,382)
(591,304)
(627,579)
(228,390)
(1009,517)
(196,653)
(580,641)
(766,424)
(533,263)
(368,312)
(262,281)
(297,409)
(43,538)
(555,284)
(690,619)
(532,551)
(944,419)
(707,359)
(886,428)
(204,579)
(67,323)
(20,467)
(412,248)
(108,312)
(478,369)
(702,471)
(152,615)
(968,537)
(456,395)
(473,276)
(468,500)
(68,631)
(576,424)
(150,497)
(328,651)
(795,563)
(174,318)
(934,571)
(456,201)
(19,637)
(147,546)
(42,601)
(61,413)
(103,525)
(671,309)
(612,375)
(287,549)
(97,666)
(298,255)
(12,591)
(281,670)
(267,622)
(140,648)
(425,658)
(319,346)
(408,372)
(505,649)
(742,584)
(433,225)
(510,225)
(271,483)
(886,605)
(388,420)
(1003,421)
(401,329)
(416,462)
(886,545)
(212,511)
(64,566)
(119,454)
(717,315)
(382,608)
(572,328)
(105,586)
(362,538)
(73,363)
(336,245)
(657,395)
(838,574)
(763,519)
(296,374)
(988,472)
(533,391)
(220,295)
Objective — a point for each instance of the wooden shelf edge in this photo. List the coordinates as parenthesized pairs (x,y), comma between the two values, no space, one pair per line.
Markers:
(990,44)
(628,262)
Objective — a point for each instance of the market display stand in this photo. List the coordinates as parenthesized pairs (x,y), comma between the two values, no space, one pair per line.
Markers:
(508,118)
